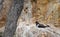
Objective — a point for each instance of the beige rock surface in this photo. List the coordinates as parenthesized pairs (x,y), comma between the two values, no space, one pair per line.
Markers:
(46,12)
(31,30)
(4,11)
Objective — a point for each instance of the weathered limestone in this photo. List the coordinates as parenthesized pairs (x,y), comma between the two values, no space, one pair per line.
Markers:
(45,12)
(12,18)
(3,12)
(24,30)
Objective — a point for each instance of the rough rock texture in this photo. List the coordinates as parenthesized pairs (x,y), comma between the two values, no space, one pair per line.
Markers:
(46,12)
(12,18)
(4,10)
(24,30)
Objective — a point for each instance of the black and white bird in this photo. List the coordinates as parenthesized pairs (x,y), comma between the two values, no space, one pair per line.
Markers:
(40,25)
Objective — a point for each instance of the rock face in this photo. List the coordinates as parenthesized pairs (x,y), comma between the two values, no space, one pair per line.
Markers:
(6,4)
(4,9)
(32,31)
(45,12)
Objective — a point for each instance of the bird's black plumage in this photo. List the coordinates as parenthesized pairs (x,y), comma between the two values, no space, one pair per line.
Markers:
(40,25)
